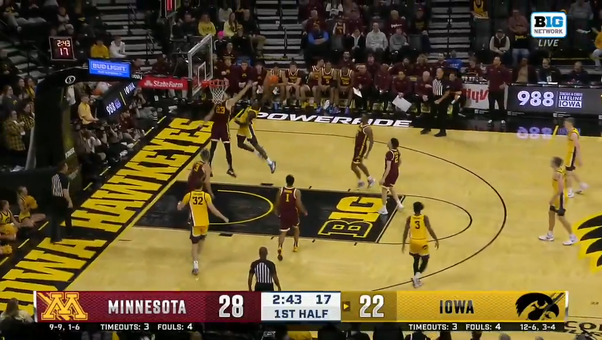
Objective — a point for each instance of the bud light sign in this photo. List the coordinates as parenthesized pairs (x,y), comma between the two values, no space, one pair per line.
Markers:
(110,68)
(548,25)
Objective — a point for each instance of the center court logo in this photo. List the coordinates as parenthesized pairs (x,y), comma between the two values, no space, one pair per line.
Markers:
(548,25)
(539,306)
(61,306)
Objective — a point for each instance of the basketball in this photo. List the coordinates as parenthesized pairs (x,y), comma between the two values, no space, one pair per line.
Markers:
(274,79)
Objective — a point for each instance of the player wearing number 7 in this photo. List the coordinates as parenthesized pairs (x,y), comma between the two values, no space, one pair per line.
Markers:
(200,203)
(392,163)
(287,207)
(417,226)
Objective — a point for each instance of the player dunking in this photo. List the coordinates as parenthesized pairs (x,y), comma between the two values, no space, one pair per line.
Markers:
(417,226)
(392,163)
(364,141)
(246,133)
(287,207)
(558,203)
(220,115)
(573,157)
(200,203)
(201,172)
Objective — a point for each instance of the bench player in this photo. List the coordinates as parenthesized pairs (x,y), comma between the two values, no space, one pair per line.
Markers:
(293,77)
(220,115)
(287,207)
(417,227)
(573,157)
(326,85)
(246,133)
(344,88)
(200,203)
(392,163)
(364,141)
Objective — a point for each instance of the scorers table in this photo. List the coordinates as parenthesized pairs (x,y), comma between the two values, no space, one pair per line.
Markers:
(426,311)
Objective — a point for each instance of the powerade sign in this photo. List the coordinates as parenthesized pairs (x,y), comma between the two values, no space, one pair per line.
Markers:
(548,25)
(110,68)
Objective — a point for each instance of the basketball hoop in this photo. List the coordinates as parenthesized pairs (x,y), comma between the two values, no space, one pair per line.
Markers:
(218,89)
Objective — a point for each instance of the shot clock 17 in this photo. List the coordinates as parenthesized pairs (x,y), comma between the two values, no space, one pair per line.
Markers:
(61,48)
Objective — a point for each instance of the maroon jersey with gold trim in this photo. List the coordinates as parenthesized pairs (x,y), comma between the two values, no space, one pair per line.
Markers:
(293,76)
(289,215)
(327,76)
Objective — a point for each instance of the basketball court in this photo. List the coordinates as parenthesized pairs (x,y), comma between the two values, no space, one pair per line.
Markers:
(486,194)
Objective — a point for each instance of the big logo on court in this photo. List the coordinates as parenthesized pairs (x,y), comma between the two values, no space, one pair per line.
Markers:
(348,216)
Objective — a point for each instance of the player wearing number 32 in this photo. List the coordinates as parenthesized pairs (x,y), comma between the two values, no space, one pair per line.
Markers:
(573,157)
(392,163)
(200,203)
(417,226)
(287,207)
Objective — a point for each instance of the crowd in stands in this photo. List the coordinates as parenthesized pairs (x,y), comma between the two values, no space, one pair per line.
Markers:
(234,30)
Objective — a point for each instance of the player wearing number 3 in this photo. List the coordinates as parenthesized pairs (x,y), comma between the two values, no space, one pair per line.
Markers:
(200,203)
(417,227)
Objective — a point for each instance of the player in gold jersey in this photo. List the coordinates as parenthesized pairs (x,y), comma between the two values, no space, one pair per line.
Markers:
(573,157)
(246,133)
(558,203)
(417,226)
(200,203)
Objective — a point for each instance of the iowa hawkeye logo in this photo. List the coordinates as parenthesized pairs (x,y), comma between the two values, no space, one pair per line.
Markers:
(590,235)
(60,306)
(539,306)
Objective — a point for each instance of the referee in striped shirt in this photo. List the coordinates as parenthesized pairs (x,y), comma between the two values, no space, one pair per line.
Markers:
(441,101)
(62,205)
(264,271)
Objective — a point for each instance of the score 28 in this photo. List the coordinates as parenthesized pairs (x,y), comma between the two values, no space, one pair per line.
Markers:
(231,306)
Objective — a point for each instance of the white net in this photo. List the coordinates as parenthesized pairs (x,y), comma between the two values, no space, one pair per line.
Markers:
(218,90)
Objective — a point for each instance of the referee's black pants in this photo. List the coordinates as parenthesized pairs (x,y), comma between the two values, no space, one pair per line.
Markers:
(264,287)
(497,97)
(60,212)
(438,116)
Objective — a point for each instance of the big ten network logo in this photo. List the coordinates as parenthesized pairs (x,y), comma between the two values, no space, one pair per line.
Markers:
(62,306)
(354,218)
(548,25)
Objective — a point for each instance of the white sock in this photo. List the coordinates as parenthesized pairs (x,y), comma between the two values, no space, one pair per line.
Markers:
(550,233)
(572,236)
(195,264)
(269,161)
(417,275)
(570,190)
(370,178)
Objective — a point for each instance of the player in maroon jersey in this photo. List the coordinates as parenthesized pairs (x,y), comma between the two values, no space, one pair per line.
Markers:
(200,172)
(220,115)
(364,140)
(392,162)
(287,207)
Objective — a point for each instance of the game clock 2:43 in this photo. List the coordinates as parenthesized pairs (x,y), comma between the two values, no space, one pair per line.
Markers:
(61,48)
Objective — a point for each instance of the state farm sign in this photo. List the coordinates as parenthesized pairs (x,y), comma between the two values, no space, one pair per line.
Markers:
(156,83)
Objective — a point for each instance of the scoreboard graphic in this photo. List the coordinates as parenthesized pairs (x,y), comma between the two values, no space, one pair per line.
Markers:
(429,311)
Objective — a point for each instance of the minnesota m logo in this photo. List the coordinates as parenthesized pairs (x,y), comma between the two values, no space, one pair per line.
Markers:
(62,306)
